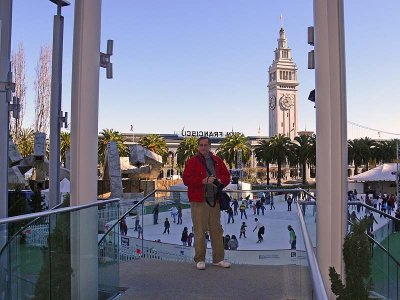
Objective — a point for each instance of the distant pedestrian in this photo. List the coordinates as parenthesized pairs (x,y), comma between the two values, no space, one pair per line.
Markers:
(156,210)
(174,213)
(123,227)
(185,236)
(272,206)
(167,225)
(292,236)
(190,239)
(261,230)
(243,230)
(242,209)
(140,232)
(371,220)
(226,239)
(179,215)
(289,203)
(235,205)
(229,211)
(233,243)
(137,220)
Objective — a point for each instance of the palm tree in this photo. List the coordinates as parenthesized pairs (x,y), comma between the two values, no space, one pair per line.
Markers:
(385,151)
(187,148)
(108,135)
(156,144)
(355,154)
(65,144)
(280,149)
(263,153)
(302,148)
(368,145)
(25,141)
(229,147)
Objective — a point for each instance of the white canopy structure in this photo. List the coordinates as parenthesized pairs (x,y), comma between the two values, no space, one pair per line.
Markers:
(385,172)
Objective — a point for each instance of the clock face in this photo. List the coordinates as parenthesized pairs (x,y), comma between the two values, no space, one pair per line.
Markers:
(272,102)
(286,101)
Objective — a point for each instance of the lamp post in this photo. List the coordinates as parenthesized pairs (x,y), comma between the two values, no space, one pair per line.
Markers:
(56,115)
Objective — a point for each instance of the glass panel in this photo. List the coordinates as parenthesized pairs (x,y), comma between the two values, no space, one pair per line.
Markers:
(379,271)
(108,251)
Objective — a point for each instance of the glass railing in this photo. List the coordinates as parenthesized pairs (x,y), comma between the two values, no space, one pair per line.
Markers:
(140,234)
(37,262)
(384,248)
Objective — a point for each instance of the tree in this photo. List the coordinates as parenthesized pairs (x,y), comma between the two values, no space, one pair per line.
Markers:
(280,149)
(367,149)
(108,135)
(25,140)
(229,147)
(357,261)
(18,69)
(43,90)
(355,155)
(385,151)
(65,144)
(302,148)
(186,149)
(263,153)
(156,144)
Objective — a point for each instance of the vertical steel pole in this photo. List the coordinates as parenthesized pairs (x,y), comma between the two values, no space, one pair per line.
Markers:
(397,174)
(55,109)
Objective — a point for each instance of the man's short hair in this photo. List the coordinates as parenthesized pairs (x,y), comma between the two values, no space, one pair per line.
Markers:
(203,138)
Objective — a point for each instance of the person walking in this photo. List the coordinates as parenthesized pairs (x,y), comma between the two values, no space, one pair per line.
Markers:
(233,243)
(230,215)
(156,210)
(242,209)
(137,221)
(272,206)
(204,173)
(289,203)
(235,205)
(292,237)
(167,225)
(179,215)
(174,213)
(140,232)
(190,239)
(243,230)
(185,236)
(261,230)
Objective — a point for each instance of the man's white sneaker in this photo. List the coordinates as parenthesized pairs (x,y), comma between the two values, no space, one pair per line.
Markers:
(201,265)
(223,264)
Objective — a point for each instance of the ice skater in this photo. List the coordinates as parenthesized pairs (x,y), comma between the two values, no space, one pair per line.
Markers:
(242,209)
(167,225)
(243,230)
(230,215)
(292,236)
(261,230)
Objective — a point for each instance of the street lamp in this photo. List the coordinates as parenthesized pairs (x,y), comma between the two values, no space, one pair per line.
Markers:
(56,115)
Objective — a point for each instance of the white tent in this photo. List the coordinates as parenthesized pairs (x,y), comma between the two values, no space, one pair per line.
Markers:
(65,187)
(385,172)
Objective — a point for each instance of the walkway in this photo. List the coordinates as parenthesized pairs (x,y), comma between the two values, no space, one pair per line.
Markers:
(154,279)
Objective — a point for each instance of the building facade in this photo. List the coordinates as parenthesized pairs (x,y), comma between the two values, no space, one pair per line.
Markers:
(282,91)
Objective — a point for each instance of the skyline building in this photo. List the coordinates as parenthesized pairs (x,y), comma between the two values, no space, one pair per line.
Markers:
(282,91)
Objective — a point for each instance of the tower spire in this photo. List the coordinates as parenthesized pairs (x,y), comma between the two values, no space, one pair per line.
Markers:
(281,18)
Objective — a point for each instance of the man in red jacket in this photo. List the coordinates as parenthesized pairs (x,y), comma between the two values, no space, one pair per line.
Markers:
(202,196)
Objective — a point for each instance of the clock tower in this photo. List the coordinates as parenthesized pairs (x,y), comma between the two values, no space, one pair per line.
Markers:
(282,91)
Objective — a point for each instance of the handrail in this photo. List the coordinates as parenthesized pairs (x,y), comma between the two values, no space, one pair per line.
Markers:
(373,209)
(380,246)
(24,227)
(316,277)
(125,214)
(56,211)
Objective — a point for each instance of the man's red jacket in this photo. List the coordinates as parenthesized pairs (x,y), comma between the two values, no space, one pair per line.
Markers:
(195,172)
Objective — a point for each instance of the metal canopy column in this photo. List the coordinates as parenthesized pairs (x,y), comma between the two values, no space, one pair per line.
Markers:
(331,130)
(84,132)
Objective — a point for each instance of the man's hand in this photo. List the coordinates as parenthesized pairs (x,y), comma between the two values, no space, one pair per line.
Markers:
(209,179)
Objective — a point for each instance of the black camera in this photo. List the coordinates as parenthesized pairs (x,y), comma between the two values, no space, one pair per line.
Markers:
(218,184)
